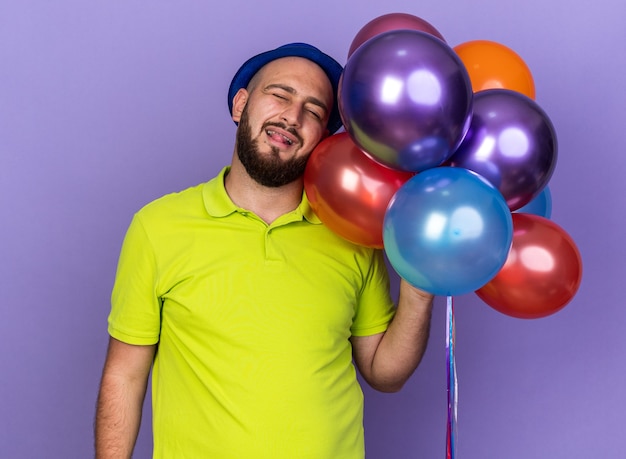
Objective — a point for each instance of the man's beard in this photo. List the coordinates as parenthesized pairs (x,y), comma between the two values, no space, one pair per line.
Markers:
(267,170)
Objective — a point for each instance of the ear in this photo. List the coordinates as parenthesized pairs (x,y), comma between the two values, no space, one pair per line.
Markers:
(239,102)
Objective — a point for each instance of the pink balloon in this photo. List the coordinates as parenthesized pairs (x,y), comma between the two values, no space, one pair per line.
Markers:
(392,21)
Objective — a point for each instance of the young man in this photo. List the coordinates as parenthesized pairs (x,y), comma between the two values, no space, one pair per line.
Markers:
(249,311)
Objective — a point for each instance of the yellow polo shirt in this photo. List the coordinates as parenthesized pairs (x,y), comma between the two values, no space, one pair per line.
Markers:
(253,324)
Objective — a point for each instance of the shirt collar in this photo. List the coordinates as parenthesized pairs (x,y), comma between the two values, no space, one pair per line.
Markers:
(218,204)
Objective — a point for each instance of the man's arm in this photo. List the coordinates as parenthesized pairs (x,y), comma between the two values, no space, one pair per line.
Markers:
(387,360)
(120,400)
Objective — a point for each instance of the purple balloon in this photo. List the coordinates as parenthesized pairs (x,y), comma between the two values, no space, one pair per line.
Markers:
(511,142)
(405,98)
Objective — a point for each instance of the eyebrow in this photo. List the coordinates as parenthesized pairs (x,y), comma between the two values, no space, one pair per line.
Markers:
(290,90)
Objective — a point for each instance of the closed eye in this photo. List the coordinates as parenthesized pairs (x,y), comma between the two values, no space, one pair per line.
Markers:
(316,107)
(315,114)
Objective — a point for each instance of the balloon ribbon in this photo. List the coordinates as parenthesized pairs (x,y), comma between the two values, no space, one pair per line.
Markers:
(451,436)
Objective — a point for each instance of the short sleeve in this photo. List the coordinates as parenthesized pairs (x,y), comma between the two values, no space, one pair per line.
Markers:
(375,308)
(135,305)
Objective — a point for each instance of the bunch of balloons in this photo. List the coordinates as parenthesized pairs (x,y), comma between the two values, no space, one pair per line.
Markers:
(445,163)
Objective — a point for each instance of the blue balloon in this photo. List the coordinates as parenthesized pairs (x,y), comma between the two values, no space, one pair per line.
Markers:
(540,205)
(447,231)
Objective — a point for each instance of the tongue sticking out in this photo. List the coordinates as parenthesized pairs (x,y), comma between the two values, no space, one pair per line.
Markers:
(276,137)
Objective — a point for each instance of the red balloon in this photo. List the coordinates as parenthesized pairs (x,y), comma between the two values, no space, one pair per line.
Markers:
(392,21)
(542,273)
(349,191)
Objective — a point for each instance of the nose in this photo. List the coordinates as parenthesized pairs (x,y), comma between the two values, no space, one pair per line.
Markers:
(292,115)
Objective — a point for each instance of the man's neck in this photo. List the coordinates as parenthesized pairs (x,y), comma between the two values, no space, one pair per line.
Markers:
(268,203)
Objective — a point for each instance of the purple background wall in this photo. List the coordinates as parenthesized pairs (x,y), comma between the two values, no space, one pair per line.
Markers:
(107,105)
